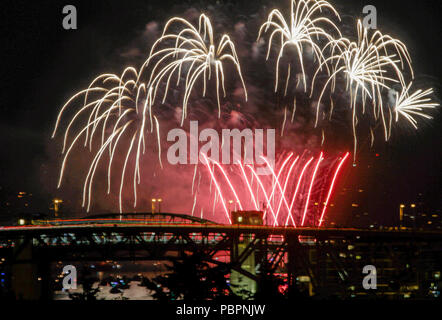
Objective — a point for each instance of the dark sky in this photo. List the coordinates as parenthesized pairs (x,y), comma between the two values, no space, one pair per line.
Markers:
(42,65)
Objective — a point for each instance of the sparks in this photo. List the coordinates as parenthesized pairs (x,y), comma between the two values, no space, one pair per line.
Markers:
(410,105)
(118,105)
(287,192)
(369,66)
(196,51)
(299,32)
(330,190)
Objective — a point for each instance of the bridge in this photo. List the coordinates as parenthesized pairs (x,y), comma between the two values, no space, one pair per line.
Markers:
(326,262)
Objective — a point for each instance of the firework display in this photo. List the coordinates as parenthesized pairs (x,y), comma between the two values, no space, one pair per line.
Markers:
(120,114)
(370,65)
(409,105)
(301,30)
(297,193)
(191,53)
(116,107)
(221,158)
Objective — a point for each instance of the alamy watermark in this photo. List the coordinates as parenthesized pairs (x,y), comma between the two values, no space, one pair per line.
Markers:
(370,20)
(370,280)
(231,147)
(70,18)
(70,278)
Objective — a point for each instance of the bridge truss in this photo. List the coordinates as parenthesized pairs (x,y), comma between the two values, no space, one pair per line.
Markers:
(325,262)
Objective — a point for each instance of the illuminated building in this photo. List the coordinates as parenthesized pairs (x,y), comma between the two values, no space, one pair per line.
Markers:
(242,285)
(417,216)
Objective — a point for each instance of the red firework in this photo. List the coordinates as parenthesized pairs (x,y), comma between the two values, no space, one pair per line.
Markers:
(297,193)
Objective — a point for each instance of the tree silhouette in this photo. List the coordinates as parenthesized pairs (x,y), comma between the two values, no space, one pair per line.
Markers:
(191,278)
(88,293)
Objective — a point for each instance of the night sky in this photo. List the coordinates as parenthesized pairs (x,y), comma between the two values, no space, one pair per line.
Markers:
(42,65)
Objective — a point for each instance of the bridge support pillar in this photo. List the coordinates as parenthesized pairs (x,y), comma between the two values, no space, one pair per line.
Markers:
(299,268)
(241,284)
(25,281)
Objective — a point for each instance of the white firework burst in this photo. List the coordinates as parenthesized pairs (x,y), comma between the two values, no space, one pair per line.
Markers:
(114,107)
(369,66)
(305,24)
(194,51)
(411,105)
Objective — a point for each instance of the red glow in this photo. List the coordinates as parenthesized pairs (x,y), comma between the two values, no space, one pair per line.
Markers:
(285,188)
(332,186)
(230,184)
(248,185)
(277,183)
(310,189)
(217,187)
(287,194)
(296,190)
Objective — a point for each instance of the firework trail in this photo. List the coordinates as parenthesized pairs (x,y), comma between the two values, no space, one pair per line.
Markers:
(410,105)
(301,30)
(123,105)
(196,54)
(297,193)
(114,107)
(370,66)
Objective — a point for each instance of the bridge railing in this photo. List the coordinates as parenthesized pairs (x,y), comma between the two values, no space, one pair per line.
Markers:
(125,218)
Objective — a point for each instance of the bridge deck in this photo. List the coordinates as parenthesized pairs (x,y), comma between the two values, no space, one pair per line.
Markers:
(137,225)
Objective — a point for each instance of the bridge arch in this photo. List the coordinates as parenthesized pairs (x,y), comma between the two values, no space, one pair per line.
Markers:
(162,216)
